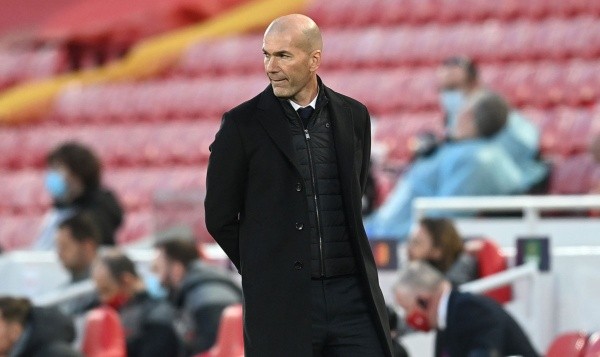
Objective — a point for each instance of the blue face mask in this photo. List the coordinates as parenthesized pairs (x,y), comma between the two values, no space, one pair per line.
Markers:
(56,184)
(154,287)
(452,101)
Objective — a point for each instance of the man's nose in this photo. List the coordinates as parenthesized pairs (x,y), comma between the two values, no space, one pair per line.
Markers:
(271,64)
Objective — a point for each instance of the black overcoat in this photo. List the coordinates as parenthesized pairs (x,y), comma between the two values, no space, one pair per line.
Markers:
(256,209)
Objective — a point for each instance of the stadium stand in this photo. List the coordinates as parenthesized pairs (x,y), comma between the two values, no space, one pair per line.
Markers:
(103,335)
(541,54)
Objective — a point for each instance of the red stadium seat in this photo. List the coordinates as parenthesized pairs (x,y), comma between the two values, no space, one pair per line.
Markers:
(230,337)
(570,344)
(103,334)
(593,346)
(573,175)
(490,261)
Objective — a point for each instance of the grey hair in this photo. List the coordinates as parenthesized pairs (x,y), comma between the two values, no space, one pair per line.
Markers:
(419,276)
(490,113)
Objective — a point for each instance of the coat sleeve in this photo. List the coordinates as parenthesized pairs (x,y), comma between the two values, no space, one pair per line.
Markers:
(225,182)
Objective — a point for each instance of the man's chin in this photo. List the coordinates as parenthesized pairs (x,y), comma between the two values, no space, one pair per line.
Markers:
(281,93)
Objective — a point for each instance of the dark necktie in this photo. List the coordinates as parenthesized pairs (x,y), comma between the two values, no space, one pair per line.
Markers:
(305,114)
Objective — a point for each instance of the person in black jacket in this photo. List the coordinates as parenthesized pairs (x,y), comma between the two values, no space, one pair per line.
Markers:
(467,325)
(284,187)
(28,331)
(199,291)
(147,322)
(73,180)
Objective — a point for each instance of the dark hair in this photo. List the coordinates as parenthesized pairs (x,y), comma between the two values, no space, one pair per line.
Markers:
(445,237)
(466,64)
(83,228)
(490,112)
(15,309)
(80,160)
(180,250)
(118,264)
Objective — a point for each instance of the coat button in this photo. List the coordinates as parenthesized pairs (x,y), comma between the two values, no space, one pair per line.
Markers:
(298,187)
(327,125)
(299,226)
(297,265)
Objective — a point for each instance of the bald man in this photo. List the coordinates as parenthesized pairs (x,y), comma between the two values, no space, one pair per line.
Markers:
(284,184)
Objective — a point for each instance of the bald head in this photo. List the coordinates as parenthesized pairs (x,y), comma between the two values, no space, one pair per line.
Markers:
(304,31)
(292,49)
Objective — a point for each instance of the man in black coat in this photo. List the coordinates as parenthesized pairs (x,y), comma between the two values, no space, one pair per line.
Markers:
(28,331)
(467,325)
(284,184)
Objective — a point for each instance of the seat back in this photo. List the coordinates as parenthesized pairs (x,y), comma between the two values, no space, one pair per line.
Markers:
(491,261)
(230,338)
(593,346)
(570,344)
(103,334)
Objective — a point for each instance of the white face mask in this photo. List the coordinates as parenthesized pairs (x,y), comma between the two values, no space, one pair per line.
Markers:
(452,102)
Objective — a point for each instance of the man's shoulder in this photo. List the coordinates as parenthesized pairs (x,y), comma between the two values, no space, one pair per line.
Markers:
(333,95)
(245,109)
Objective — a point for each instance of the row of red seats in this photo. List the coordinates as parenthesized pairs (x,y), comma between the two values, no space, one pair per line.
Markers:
(362,13)
(554,38)
(18,65)
(565,131)
(23,191)
(384,91)
(156,100)
(577,174)
(183,142)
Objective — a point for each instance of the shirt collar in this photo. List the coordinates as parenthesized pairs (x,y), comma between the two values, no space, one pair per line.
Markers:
(442,312)
(312,104)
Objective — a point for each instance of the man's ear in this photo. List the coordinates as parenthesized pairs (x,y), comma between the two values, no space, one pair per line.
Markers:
(315,60)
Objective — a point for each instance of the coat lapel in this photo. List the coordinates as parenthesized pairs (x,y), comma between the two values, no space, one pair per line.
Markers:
(272,118)
(343,136)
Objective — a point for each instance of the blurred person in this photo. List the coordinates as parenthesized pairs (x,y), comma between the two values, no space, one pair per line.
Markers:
(458,82)
(437,242)
(77,243)
(147,322)
(595,151)
(199,291)
(472,165)
(466,324)
(73,180)
(285,177)
(29,331)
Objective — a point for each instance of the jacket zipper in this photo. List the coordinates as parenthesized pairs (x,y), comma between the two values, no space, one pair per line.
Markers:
(316,199)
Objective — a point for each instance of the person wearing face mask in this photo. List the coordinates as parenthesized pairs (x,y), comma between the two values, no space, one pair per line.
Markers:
(147,322)
(465,324)
(73,180)
(459,81)
(471,165)
(200,292)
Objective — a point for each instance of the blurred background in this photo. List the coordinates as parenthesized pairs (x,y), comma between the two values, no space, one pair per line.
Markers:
(144,83)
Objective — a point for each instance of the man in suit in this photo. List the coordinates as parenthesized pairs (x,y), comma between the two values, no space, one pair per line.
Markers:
(284,184)
(467,325)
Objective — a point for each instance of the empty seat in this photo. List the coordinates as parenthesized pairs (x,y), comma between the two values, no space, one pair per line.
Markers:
(570,344)
(230,337)
(490,260)
(103,335)
(572,175)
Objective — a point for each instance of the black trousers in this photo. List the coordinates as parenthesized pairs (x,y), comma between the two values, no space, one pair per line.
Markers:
(342,323)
